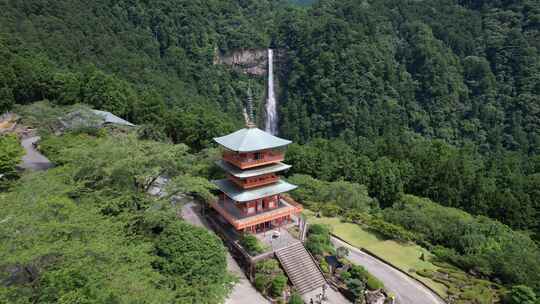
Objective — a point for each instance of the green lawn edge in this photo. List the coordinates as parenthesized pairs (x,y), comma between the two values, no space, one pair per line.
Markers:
(405,257)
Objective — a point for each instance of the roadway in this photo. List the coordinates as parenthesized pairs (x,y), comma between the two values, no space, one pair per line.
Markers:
(405,289)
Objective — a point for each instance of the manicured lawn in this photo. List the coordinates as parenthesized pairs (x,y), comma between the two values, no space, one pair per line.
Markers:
(402,256)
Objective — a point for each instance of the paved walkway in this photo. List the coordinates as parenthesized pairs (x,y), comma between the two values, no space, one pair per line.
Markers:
(406,289)
(274,242)
(243,292)
(33,160)
(332,297)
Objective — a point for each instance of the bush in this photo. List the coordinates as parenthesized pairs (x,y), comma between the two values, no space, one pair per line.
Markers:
(425,273)
(296,299)
(356,287)
(357,217)
(342,252)
(373,283)
(191,253)
(270,267)
(521,294)
(473,243)
(391,231)
(324,266)
(318,245)
(251,244)
(278,285)
(331,210)
(261,282)
(319,229)
(345,275)
(358,272)
(10,156)
(268,275)
(318,241)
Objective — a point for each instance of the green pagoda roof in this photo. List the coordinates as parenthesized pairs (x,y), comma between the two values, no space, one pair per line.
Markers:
(251,139)
(242,195)
(276,167)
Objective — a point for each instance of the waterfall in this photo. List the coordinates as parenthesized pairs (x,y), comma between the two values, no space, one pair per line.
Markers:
(271,124)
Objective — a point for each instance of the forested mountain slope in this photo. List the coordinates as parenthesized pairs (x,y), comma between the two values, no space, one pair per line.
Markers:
(377,74)
(457,70)
(439,99)
(149,62)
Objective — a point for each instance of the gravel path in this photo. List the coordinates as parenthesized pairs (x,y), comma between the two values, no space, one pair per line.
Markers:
(33,160)
(243,292)
(406,289)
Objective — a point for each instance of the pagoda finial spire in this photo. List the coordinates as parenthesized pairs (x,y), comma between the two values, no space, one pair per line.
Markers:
(250,123)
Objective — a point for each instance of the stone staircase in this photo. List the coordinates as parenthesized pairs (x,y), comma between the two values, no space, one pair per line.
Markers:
(300,267)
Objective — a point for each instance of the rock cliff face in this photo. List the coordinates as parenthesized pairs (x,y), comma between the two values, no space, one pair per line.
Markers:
(249,61)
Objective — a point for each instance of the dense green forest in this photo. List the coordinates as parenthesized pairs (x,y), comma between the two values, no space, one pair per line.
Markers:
(437,99)
(458,71)
(86,232)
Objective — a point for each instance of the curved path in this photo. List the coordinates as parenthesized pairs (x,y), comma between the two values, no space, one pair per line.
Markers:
(406,289)
(33,160)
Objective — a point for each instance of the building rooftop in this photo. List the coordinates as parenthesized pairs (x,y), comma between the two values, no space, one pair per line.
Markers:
(241,195)
(251,139)
(236,172)
(112,119)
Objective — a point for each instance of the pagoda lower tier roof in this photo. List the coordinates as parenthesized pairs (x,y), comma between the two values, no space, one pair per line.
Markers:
(244,195)
(239,173)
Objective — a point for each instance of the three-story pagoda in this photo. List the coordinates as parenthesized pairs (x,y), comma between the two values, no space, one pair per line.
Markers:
(251,197)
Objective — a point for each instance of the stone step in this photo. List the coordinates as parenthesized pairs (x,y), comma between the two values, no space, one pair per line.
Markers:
(300,267)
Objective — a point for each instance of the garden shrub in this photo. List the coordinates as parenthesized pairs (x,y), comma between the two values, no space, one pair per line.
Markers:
(278,285)
(391,231)
(372,283)
(296,299)
(318,241)
(269,277)
(345,275)
(356,287)
(342,252)
(324,266)
(331,210)
(319,229)
(425,273)
(358,272)
(261,281)
(251,244)
(318,245)
(270,267)
(357,217)
(521,294)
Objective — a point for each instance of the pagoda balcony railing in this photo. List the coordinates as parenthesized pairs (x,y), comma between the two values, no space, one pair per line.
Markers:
(287,198)
(249,162)
(251,220)
(254,181)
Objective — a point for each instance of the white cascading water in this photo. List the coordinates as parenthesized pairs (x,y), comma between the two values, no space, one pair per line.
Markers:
(271,107)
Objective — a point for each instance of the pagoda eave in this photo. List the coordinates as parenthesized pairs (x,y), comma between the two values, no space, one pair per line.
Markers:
(239,173)
(251,140)
(245,195)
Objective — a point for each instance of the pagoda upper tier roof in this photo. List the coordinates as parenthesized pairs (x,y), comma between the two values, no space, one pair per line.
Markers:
(251,139)
(243,195)
(236,172)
